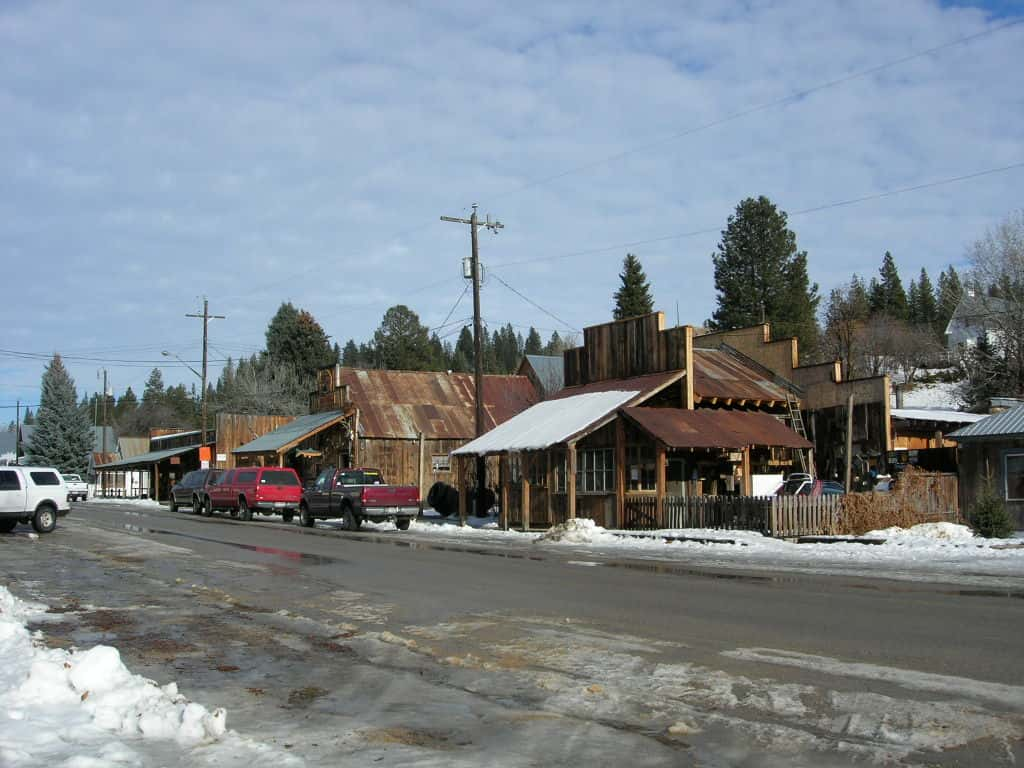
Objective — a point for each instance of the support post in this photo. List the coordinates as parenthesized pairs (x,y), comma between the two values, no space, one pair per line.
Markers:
(748,481)
(570,481)
(419,474)
(355,439)
(659,483)
(524,475)
(503,478)
(460,475)
(620,471)
(849,441)
(549,479)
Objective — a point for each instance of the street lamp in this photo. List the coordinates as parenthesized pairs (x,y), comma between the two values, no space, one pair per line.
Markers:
(202,378)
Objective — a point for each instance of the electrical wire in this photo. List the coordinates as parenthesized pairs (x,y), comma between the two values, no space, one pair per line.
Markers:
(801,212)
(452,310)
(534,304)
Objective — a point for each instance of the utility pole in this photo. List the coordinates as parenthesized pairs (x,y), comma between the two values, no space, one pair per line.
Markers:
(478,345)
(206,317)
(104,414)
(17,432)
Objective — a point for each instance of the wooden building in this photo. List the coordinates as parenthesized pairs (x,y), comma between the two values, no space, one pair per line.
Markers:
(992,451)
(405,423)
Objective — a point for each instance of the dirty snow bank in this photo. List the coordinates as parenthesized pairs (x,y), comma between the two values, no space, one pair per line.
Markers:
(925,533)
(84,708)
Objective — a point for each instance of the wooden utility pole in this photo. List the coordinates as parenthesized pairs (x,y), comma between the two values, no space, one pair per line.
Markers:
(17,432)
(478,342)
(206,317)
(849,442)
(104,427)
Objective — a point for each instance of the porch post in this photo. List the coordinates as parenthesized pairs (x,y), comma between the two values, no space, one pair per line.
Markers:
(355,440)
(280,459)
(549,493)
(659,483)
(524,476)
(156,482)
(503,480)
(570,481)
(620,471)
(460,474)
(419,473)
(748,481)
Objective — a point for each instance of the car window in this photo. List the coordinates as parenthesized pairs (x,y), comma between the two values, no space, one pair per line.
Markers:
(213,476)
(9,481)
(191,479)
(372,478)
(246,477)
(45,478)
(350,478)
(324,478)
(278,477)
(225,479)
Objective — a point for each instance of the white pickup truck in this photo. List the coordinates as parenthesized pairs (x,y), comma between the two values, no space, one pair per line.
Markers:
(78,489)
(34,495)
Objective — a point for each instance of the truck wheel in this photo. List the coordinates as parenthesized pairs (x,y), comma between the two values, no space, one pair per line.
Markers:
(288,516)
(305,519)
(349,521)
(206,508)
(6,526)
(172,505)
(45,519)
(197,504)
(244,512)
(402,523)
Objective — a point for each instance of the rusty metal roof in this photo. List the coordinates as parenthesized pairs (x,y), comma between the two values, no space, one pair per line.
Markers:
(646,385)
(714,428)
(401,404)
(716,373)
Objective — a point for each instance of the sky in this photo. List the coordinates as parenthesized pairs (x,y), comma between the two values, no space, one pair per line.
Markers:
(156,153)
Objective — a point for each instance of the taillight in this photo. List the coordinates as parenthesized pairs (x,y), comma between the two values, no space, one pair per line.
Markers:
(364,494)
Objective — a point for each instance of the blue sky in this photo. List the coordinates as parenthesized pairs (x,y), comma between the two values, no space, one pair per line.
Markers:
(153,153)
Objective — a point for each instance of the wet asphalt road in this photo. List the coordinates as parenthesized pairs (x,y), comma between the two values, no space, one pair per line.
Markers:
(407,649)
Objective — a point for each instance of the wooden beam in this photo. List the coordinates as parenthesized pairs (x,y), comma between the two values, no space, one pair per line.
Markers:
(728,401)
(503,478)
(420,473)
(460,474)
(355,439)
(757,403)
(741,403)
(570,481)
(714,401)
(659,483)
(524,476)
(550,490)
(748,480)
(620,471)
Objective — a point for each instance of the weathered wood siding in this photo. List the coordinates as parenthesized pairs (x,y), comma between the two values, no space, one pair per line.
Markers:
(236,429)
(627,348)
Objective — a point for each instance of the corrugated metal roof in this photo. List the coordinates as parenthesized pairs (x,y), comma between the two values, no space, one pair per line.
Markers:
(402,404)
(550,370)
(715,428)
(290,432)
(145,459)
(132,446)
(548,423)
(645,385)
(937,414)
(716,373)
(1006,424)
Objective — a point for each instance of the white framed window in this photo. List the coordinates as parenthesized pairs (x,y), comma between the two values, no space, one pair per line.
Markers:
(595,470)
(1013,476)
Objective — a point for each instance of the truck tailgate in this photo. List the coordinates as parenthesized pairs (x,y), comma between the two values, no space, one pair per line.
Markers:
(390,496)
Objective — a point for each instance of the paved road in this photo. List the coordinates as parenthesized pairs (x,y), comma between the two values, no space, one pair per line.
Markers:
(403,648)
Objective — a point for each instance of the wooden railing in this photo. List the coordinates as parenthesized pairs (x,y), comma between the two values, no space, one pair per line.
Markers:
(779,516)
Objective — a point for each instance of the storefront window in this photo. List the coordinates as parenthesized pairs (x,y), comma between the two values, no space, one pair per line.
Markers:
(640,472)
(1014,474)
(595,470)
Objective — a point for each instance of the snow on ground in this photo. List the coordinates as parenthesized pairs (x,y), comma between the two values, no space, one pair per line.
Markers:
(85,709)
(940,394)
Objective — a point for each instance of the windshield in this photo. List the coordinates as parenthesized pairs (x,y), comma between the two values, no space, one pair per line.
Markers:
(279,477)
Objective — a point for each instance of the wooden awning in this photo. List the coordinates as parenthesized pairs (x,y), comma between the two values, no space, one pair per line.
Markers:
(714,428)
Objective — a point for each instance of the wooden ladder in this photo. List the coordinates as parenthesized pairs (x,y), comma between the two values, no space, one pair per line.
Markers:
(796,420)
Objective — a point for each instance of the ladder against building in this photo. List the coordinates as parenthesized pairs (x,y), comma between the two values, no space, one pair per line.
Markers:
(796,421)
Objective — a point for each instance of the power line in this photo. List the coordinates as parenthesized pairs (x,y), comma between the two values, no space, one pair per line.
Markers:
(88,359)
(801,212)
(455,306)
(535,304)
(792,97)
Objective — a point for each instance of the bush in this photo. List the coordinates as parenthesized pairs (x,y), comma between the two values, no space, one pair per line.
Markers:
(989,517)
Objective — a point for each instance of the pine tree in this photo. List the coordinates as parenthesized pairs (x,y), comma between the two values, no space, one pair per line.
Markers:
(462,359)
(402,342)
(295,338)
(63,436)
(556,345)
(29,418)
(759,273)
(633,298)
(887,294)
(350,355)
(533,345)
(949,294)
(844,316)
(927,308)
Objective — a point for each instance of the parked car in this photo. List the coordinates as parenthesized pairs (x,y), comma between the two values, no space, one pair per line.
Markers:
(32,494)
(245,490)
(191,489)
(358,494)
(884,484)
(78,489)
(801,484)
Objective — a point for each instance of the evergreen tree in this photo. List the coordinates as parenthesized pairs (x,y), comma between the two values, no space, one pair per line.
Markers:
(350,355)
(949,294)
(556,344)
(63,436)
(153,393)
(845,315)
(462,359)
(633,297)
(924,308)
(887,294)
(760,273)
(29,418)
(402,342)
(295,338)
(533,345)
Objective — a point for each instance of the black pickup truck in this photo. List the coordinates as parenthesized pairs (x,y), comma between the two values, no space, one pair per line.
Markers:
(358,494)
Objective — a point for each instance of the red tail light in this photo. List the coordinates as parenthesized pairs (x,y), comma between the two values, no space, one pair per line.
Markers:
(364,494)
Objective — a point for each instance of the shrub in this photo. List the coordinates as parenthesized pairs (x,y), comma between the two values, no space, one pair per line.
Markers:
(989,517)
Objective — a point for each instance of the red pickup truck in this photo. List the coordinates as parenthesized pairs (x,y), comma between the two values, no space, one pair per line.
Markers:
(268,490)
(358,494)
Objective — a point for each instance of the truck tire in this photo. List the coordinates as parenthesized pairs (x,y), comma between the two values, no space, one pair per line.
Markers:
(6,526)
(244,513)
(172,506)
(443,498)
(305,519)
(349,520)
(402,523)
(45,518)
(288,516)
(197,504)
(206,508)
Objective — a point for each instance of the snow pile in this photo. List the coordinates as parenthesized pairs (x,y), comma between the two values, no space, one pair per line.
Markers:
(51,699)
(578,531)
(925,533)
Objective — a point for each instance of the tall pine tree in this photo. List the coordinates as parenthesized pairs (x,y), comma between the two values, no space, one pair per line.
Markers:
(63,436)
(534,345)
(887,294)
(949,294)
(760,274)
(633,297)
